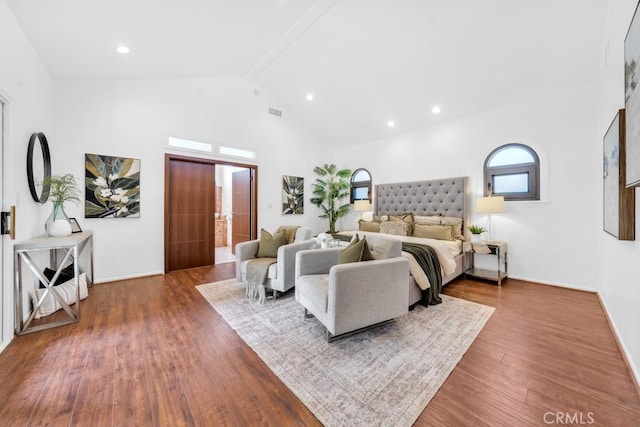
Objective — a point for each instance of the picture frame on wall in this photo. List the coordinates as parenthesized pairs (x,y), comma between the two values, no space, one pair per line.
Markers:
(618,200)
(292,195)
(632,100)
(112,187)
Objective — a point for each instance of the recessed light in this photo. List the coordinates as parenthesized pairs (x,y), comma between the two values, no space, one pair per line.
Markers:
(123,49)
(435,110)
(309,97)
(391,123)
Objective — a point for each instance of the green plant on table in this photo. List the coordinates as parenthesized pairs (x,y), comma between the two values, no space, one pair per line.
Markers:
(476,229)
(63,188)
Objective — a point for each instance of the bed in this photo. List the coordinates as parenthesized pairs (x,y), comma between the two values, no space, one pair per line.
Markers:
(433,206)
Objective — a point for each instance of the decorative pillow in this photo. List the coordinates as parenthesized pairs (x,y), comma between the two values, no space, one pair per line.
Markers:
(268,244)
(353,251)
(366,252)
(372,226)
(290,231)
(382,218)
(65,275)
(407,218)
(427,219)
(396,228)
(66,290)
(431,231)
(456,225)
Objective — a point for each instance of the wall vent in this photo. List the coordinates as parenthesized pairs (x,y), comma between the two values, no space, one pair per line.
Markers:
(275,112)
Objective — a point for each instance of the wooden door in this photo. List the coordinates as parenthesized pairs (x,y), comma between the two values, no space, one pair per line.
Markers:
(241,207)
(189,213)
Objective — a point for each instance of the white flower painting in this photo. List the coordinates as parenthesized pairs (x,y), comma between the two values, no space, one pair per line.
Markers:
(292,195)
(112,187)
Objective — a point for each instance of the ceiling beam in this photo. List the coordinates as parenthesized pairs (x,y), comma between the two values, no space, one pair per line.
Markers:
(310,16)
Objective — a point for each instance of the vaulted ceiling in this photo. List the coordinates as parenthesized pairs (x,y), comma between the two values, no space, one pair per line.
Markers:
(365,61)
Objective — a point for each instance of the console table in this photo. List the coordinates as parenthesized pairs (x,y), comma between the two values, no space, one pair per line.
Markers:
(68,249)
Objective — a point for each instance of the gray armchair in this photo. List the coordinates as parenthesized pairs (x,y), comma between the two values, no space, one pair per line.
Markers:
(348,297)
(281,276)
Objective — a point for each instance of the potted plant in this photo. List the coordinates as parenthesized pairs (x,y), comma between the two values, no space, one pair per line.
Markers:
(331,186)
(476,231)
(63,188)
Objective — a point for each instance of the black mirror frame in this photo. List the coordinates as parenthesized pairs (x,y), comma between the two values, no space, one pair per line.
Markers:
(46,160)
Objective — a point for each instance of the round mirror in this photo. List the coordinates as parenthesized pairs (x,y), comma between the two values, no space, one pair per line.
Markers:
(38,167)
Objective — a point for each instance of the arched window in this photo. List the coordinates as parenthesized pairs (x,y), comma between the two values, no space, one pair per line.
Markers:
(361,185)
(512,171)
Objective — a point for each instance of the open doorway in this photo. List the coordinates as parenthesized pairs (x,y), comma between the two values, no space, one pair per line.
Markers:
(233,219)
(205,212)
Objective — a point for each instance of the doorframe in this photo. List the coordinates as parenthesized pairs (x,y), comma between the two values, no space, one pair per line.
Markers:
(168,157)
(6,261)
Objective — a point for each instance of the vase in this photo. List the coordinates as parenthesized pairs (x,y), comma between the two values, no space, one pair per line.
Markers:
(58,224)
(475,238)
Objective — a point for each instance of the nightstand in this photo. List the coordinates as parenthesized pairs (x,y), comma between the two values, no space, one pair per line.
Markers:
(495,249)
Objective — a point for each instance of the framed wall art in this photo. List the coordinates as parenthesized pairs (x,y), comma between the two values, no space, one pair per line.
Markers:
(619,202)
(292,195)
(632,101)
(112,187)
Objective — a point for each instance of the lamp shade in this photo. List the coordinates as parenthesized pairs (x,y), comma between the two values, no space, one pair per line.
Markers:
(361,205)
(489,205)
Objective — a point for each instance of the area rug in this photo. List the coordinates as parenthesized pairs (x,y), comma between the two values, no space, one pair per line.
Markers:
(381,377)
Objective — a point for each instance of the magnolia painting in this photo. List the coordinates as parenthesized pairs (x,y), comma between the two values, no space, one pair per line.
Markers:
(292,195)
(112,187)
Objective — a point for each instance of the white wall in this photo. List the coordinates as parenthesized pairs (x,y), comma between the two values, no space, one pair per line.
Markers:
(620,279)
(26,85)
(561,128)
(134,119)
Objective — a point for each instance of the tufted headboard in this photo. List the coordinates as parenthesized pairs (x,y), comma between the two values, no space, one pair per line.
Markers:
(447,197)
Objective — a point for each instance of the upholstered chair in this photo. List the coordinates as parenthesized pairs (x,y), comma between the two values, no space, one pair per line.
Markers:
(349,297)
(281,275)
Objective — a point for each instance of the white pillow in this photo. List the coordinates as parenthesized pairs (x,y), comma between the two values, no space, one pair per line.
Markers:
(456,225)
(396,228)
(67,291)
(428,219)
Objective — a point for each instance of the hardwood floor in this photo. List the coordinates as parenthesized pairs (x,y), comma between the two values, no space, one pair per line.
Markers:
(151,351)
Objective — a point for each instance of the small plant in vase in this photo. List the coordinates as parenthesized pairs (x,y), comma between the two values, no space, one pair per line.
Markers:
(62,188)
(476,231)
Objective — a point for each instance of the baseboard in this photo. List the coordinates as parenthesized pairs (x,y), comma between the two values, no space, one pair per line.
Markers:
(132,276)
(4,345)
(557,284)
(635,377)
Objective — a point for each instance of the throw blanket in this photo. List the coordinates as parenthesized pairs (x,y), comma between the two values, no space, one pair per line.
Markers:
(257,270)
(428,260)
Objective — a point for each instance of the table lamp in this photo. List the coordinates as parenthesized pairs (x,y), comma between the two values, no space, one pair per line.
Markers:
(490,205)
(361,206)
